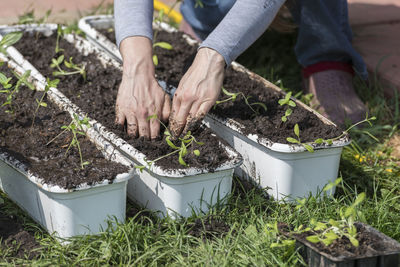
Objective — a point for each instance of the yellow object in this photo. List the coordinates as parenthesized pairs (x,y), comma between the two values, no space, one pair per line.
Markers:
(173,14)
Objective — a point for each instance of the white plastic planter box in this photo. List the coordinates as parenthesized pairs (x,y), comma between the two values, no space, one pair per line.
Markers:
(287,170)
(172,192)
(66,212)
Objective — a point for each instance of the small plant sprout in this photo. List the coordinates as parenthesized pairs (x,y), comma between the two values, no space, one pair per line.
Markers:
(328,232)
(9,40)
(281,241)
(62,30)
(330,141)
(185,146)
(233,96)
(320,141)
(29,17)
(289,104)
(163,45)
(11,90)
(41,103)
(76,127)
(296,131)
(77,69)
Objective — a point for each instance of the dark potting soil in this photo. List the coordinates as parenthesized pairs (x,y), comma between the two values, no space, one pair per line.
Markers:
(369,243)
(97,96)
(16,239)
(268,124)
(49,162)
(208,228)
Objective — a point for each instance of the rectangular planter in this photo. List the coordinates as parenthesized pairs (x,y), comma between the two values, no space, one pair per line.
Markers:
(172,192)
(385,258)
(287,170)
(65,212)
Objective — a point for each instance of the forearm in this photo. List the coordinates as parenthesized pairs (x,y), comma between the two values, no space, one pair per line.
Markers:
(133,18)
(243,24)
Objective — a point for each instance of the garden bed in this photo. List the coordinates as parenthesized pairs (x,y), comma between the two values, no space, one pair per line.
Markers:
(68,189)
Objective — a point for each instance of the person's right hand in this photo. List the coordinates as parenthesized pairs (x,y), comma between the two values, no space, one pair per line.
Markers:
(139,94)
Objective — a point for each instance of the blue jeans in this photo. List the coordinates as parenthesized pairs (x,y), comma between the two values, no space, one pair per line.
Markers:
(324,29)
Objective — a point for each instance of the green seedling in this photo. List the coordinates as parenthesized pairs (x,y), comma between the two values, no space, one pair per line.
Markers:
(8,40)
(233,96)
(41,103)
(185,146)
(289,103)
(328,232)
(77,69)
(10,90)
(30,18)
(281,241)
(296,131)
(63,30)
(164,45)
(76,128)
(330,141)
(320,141)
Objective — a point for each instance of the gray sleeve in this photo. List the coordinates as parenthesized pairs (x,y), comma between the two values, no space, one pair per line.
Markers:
(133,18)
(243,24)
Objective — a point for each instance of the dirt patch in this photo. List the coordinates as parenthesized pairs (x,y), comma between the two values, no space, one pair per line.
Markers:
(15,239)
(208,228)
(97,95)
(51,162)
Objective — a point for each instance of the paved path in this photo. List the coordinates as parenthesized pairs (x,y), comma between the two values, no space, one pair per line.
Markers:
(376,28)
(375,23)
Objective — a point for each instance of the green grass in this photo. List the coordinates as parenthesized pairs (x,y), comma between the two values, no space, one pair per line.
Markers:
(366,166)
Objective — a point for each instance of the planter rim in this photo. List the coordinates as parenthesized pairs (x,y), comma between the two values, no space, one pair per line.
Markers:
(126,149)
(343,258)
(85,25)
(23,169)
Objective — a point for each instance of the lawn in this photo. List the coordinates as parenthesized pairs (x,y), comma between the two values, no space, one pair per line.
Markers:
(241,232)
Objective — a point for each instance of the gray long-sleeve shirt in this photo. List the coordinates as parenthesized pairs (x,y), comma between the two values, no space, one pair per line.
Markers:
(244,23)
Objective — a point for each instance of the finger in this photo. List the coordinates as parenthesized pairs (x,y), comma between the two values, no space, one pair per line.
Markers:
(179,122)
(144,128)
(176,103)
(119,116)
(154,127)
(192,121)
(203,109)
(132,126)
(166,108)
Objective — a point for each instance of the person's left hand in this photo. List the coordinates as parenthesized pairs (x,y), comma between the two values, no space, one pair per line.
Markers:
(197,92)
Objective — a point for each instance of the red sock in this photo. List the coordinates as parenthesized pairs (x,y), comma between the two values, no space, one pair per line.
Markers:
(327,65)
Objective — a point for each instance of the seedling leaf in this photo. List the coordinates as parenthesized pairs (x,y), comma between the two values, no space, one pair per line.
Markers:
(164,45)
(169,142)
(297,130)
(196,152)
(292,140)
(309,148)
(313,238)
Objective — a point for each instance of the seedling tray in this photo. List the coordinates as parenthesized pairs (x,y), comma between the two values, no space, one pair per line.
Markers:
(162,190)
(388,255)
(287,170)
(65,212)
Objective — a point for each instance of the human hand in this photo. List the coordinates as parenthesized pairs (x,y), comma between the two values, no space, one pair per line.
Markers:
(139,94)
(197,92)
